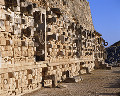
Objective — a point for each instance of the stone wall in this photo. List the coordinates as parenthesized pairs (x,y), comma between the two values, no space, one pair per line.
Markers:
(43,42)
(19,28)
(67,21)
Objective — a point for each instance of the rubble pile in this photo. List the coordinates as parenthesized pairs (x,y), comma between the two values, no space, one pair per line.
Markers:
(43,42)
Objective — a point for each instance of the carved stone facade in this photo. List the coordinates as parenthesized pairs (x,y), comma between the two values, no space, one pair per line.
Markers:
(43,42)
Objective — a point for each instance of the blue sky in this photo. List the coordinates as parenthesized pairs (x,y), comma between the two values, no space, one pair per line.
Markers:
(106,18)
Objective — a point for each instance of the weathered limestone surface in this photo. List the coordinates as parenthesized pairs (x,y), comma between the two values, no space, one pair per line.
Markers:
(43,42)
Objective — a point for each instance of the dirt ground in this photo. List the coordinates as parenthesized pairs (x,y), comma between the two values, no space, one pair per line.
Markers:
(99,83)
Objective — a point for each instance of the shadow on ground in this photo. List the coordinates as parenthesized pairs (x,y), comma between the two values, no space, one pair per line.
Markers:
(116,72)
(114,85)
(111,94)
